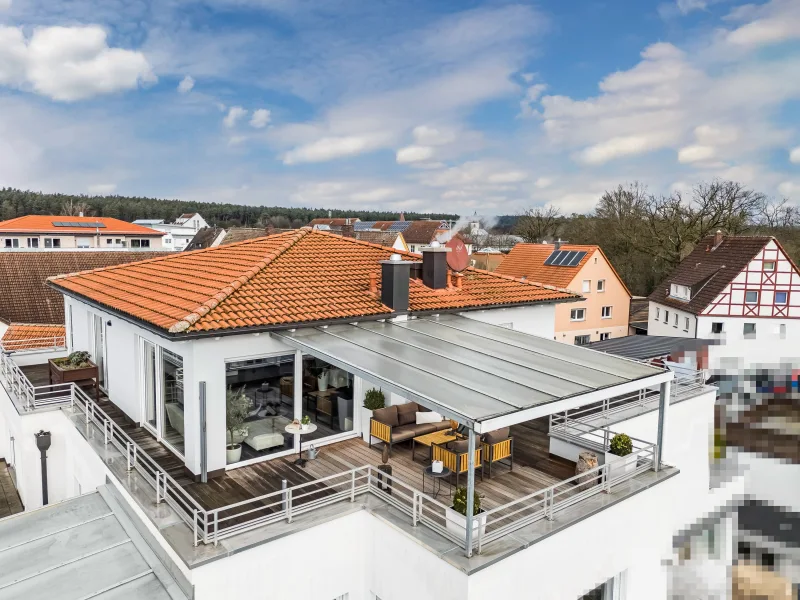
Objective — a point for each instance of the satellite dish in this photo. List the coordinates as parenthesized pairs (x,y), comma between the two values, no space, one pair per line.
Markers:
(458,257)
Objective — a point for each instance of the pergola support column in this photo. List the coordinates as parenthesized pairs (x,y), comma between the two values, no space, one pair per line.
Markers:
(663,408)
(470,491)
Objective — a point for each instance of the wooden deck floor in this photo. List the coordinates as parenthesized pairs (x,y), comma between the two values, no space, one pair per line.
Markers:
(534,468)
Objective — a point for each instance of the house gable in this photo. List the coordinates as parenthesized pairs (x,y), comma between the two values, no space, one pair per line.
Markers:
(730,302)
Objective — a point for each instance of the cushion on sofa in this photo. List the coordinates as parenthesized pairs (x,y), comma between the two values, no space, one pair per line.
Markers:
(422,428)
(407,413)
(403,433)
(459,446)
(498,435)
(428,417)
(387,416)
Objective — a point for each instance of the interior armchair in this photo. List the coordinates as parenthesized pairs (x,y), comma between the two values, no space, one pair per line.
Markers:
(498,447)
(455,456)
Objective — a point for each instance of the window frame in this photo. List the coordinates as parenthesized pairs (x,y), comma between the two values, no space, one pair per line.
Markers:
(721,327)
(769,262)
(666,317)
(658,313)
(750,334)
(575,310)
(686,323)
(585,339)
(600,286)
(606,335)
(786,300)
(603,311)
(33,242)
(677,317)
(756,292)
(586,286)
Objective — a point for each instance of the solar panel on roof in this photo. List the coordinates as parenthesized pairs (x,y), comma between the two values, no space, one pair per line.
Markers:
(363,225)
(92,225)
(564,258)
(575,260)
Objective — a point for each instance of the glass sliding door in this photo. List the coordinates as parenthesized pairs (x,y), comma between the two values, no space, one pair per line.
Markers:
(99,348)
(327,398)
(150,386)
(172,386)
(163,394)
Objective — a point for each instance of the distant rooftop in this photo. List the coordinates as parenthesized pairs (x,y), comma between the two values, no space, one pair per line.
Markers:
(53,224)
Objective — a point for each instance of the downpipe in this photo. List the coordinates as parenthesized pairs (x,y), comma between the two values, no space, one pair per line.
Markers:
(43,444)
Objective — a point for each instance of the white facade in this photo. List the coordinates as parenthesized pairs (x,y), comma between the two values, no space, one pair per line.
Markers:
(668,321)
(178,234)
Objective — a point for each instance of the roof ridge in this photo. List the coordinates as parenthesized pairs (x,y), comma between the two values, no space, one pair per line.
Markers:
(234,285)
(417,257)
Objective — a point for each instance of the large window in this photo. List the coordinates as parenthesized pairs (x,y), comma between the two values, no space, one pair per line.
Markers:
(582,340)
(327,398)
(267,385)
(140,243)
(577,314)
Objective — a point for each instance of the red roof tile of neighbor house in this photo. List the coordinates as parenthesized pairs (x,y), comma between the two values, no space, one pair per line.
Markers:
(338,221)
(46,224)
(30,336)
(286,279)
(527,260)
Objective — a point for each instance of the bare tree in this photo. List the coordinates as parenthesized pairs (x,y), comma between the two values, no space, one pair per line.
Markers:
(536,224)
(778,215)
(71,208)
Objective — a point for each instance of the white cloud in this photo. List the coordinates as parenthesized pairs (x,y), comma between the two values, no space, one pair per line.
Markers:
(333,147)
(794,155)
(413,154)
(186,85)
(507,177)
(622,146)
(426,135)
(687,6)
(102,189)
(5,5)
(261,118)
(543,182)
(771,23)
(790,189)
(695,153)
(234,114)
(69,63)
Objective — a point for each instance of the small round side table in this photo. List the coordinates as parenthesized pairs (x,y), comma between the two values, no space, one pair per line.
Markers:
(295,430)
(436,480)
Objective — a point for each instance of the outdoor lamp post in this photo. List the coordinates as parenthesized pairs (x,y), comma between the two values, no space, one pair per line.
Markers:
(43,443)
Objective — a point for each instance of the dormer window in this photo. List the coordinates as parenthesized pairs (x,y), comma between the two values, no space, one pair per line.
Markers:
(681,292)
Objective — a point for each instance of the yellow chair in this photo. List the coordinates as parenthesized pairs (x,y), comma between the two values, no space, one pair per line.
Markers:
(497,452)
(456,457)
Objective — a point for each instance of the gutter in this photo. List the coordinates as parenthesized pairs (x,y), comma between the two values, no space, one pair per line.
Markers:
(193,335)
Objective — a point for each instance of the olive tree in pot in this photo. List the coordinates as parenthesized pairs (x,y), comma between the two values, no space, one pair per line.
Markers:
(373,400)
(620,458)
(237,410)
(457,514)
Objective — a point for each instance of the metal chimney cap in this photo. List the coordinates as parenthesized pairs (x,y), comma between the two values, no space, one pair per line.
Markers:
(395,257)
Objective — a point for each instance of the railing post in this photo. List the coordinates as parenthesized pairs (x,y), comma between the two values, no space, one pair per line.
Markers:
(353,485)
(194,522)
(284,485)
(128,455)
(134,456)
(216,527)
(158,487)
(470,516)
(414,500)
(105,432)
(289,505)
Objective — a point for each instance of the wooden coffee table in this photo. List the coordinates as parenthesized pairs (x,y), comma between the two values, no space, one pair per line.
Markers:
(437,437)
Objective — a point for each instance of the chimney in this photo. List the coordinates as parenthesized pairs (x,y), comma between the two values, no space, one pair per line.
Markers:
(373,284)
(80,214)
(395,274)
(434,266)
(348,230)
(557,244)
(717,239)
(402,216)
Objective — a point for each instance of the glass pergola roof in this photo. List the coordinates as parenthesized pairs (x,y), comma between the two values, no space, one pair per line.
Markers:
(482,375)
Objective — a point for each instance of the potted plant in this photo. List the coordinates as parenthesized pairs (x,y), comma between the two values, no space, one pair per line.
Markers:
(75,367)
(237,410)
(620,458)
(322,380)
(305,422)
(457,514)
(373,400)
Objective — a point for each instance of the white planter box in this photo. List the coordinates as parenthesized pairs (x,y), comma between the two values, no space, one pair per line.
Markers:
(620,465)
(366,415)
(457,524)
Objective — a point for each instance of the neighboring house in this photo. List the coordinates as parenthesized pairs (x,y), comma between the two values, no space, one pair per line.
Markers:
(301,325)
(332,224)
(417,234)
(739,289)
(585,270)
(177,235)
(20,337)
(487,259)
(387,239)
(42,232)
(207,237)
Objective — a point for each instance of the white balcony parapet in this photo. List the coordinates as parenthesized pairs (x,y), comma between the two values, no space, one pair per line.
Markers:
(28,396)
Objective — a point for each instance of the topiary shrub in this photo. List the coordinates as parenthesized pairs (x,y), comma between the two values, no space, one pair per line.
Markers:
(79,358)
(460,501)
(621,445)
(374,399)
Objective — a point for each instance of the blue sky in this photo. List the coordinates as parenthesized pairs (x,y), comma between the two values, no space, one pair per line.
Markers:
(460,106)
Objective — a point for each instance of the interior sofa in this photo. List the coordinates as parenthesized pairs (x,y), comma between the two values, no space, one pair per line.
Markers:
(398,423)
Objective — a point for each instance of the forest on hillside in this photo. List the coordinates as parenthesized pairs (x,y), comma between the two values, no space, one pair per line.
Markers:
(16,203)
(646,236)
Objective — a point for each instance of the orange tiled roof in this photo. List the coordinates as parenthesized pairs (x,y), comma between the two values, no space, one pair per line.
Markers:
(44,224)
(527,260)
(289,278)
(29,336)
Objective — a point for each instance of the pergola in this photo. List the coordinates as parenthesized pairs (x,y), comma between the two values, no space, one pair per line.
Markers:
(483,376)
